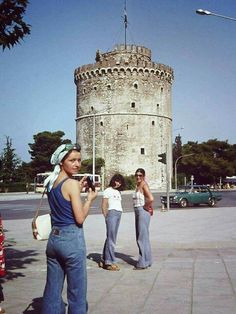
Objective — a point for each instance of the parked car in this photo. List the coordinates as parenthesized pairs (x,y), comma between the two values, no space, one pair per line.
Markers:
(193,195)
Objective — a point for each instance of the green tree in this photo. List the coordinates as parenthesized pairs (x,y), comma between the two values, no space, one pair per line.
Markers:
(177,148)
(9,162)
(23,173)
(45,143)
(87,165)
(211,160)
(12,27)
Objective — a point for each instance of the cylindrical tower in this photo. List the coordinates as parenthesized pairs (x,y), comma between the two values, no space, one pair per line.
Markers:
(129,97)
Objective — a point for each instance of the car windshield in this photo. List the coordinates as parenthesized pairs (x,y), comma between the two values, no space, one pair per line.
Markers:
(193,189)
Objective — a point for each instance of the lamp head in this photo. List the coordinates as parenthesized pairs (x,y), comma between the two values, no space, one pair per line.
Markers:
(203,12)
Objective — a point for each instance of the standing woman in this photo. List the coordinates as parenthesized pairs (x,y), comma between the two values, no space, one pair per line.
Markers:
(112,211)
(66,250)
(142,200)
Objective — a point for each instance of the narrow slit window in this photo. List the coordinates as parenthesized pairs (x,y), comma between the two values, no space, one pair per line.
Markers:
(133,105)
(142,151)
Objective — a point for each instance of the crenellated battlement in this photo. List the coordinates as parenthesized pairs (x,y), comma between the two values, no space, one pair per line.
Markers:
(159,70)
(126,60)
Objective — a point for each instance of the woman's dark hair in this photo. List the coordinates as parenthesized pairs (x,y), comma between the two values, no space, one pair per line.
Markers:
(119,178)
(140,170)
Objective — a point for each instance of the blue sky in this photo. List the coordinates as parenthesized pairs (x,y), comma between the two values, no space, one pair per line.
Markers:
(37,84)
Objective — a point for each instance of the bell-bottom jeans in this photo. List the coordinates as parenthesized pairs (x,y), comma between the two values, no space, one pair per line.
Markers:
(142,222)
(66,256)
(112,225)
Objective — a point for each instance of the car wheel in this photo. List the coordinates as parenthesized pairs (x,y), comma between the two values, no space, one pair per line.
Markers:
(183,203)
(212,202)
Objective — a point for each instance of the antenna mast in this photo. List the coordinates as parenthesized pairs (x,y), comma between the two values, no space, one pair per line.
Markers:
(125,22)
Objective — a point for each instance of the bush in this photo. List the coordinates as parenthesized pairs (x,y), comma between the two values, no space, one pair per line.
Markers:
(15,187)
(130,182)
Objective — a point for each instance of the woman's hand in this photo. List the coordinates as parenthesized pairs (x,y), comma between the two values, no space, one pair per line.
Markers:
(104,206)
(91,195)
(82,183)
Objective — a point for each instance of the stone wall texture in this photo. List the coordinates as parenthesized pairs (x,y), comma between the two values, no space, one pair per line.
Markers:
(129,98)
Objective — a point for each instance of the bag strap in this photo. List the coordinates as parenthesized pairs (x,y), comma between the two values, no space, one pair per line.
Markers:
(40,204)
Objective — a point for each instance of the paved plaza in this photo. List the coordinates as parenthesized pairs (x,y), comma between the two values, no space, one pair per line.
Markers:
(193,272)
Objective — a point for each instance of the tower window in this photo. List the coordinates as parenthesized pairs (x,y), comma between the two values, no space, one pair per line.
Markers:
(135,85)
(142,151)
(95,87)
(133,105)
(161,89)
(101,123)
(153,122)
(108,86)
(158,105)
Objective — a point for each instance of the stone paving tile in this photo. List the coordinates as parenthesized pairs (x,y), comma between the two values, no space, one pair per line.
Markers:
(214,305)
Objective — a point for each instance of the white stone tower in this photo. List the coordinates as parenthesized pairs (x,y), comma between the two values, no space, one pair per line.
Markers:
(129,98)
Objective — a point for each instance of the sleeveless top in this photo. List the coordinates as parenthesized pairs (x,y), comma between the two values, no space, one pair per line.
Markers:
(138,199)
(61,209)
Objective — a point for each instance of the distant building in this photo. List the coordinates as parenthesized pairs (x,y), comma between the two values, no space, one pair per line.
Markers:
(129,96)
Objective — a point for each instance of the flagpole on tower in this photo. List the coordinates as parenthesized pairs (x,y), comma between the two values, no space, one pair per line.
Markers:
(125,22)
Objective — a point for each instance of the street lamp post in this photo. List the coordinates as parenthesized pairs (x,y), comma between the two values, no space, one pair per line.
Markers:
(205,12)
(176,167)
(93,169)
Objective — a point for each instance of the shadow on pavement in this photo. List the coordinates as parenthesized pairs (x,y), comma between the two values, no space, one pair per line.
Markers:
(34,307)
(16,260)
(96,258)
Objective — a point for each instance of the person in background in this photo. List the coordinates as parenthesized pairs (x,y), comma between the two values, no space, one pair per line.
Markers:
(66,250)
(112,211)
(142,200)
(2,263)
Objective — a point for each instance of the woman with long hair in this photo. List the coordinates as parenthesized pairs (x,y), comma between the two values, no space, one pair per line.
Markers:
(142,200)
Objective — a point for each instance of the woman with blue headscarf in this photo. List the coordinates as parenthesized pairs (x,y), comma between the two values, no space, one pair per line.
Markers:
(66,250)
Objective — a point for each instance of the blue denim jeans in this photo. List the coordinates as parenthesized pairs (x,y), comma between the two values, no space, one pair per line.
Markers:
(66,256)
(112,224)
(142,222)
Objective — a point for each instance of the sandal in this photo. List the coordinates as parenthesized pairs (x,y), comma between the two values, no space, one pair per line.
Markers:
(101,264)
(112,267)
